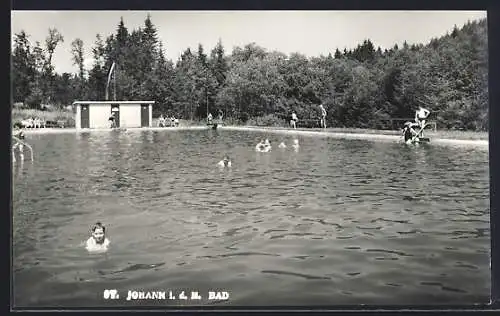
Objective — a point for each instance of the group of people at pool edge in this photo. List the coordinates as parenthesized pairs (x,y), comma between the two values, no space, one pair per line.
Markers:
(294,119)
(162,121)
(172,121)
(210,118)
(410,135)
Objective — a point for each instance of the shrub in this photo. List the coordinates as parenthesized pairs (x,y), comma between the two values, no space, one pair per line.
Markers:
(267,120)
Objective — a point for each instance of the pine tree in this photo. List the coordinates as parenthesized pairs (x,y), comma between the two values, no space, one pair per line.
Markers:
(337,54)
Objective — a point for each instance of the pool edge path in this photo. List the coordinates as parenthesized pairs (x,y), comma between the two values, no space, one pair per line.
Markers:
(354,135)
(340,135)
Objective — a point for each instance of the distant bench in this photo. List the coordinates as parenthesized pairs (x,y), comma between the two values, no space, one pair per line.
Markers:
(308,123)
(54,124)
(303,123)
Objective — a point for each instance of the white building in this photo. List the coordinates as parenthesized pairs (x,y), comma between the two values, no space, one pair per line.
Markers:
(96,114)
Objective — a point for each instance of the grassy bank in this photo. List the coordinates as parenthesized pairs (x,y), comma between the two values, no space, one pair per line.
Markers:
(55,115)
(181,122)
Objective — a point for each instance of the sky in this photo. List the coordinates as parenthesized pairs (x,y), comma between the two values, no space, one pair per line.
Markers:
(312,33)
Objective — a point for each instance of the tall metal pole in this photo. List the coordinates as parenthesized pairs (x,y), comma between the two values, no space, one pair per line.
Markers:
(114,85)
(111,72)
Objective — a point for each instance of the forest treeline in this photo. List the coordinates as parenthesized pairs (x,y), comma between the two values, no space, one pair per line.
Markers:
(362,87)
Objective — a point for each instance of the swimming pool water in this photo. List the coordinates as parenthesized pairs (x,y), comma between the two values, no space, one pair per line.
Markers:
(338,222)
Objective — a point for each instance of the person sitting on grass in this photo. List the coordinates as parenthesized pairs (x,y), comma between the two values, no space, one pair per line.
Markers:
(97,241)
(161,121)
(174,121)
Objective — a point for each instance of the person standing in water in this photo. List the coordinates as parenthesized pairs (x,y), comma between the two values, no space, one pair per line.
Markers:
(323,116)
(409,134)
(421,115)
(17,144)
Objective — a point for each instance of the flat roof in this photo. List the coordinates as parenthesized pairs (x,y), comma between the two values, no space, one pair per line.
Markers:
(114,102)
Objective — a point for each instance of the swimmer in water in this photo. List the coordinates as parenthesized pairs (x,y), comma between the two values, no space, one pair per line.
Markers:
(261,146)
(17,145)
(296,144)
(18,133)
(226,162)
(264,146)
(282,145)
(409,134)
(97,240)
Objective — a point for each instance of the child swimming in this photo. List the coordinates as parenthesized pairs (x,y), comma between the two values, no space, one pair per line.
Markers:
(97,241)
(226,162)
(295,144)
(264,146)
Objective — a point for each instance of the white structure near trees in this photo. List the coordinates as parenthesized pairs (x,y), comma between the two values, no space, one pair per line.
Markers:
(128,114)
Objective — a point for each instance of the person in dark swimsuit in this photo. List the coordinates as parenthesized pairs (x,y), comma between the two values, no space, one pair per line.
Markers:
(112,120)
(408,132)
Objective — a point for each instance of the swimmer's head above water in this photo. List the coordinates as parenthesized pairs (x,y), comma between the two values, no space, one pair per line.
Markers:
(18,132)
(263,146)
(98,232)
(97,241)
(225,162)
